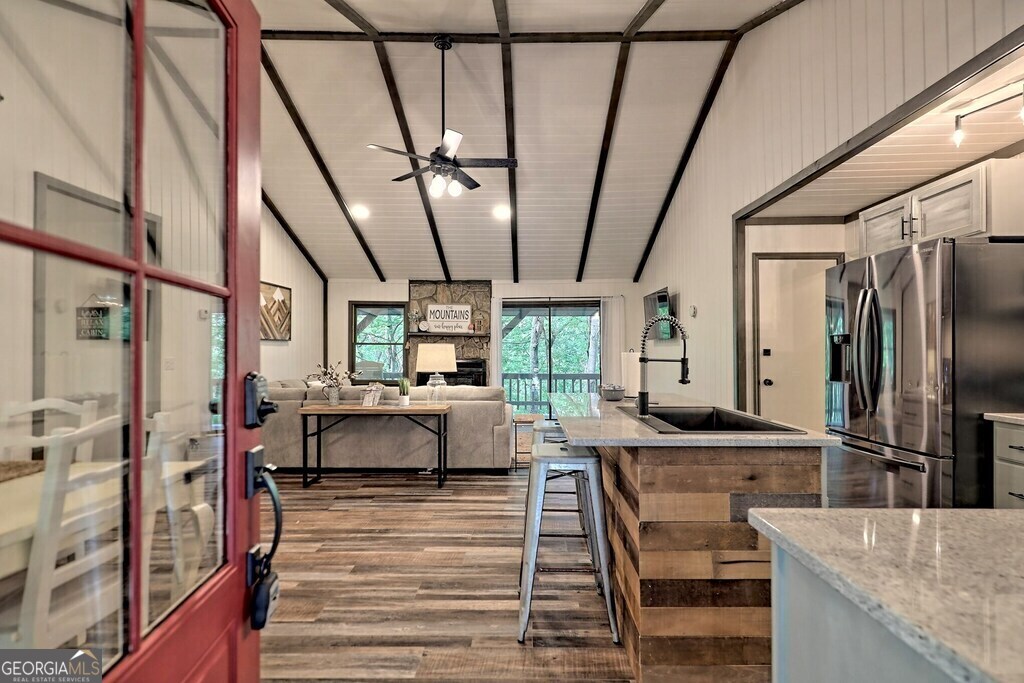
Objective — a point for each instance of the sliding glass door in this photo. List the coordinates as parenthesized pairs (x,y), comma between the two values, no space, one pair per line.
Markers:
(547,348)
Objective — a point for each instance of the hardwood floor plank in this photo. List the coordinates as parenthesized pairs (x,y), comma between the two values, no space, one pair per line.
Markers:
(388,578)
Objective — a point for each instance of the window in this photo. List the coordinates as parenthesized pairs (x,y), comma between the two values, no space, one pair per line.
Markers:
(378,341)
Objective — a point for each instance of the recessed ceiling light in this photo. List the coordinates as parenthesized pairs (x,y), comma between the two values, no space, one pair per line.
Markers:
(359,211)
(502,212)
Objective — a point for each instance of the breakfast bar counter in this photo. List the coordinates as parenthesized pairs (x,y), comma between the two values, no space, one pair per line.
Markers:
(692,578)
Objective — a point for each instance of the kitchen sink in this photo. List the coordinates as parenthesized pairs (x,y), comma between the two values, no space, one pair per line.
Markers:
(705,420)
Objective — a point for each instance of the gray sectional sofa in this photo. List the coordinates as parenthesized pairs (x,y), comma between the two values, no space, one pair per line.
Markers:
(479,431)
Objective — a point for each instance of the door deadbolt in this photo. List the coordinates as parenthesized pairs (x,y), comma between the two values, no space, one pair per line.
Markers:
(768,383)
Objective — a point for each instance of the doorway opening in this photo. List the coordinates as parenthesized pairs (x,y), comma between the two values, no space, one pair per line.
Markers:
(549,348)
(789,351)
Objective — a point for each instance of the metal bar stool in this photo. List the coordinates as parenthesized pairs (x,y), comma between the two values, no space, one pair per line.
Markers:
(583,464)
(548,431)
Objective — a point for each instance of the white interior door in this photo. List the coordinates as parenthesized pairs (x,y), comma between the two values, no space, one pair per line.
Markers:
(790,381)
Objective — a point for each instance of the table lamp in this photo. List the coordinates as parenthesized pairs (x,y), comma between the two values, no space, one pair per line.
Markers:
(436,358)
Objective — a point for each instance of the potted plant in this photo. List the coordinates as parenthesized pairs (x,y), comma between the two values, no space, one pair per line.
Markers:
(331,377)
(403,391)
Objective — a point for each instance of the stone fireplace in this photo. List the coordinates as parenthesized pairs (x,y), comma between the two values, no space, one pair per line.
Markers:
(473,346)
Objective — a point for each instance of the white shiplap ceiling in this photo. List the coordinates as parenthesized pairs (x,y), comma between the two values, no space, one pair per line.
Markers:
(917,152)
(561,93)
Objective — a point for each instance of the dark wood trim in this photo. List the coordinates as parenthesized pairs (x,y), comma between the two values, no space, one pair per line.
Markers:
(355,17)
(501,17)
(602,159)
(86,11)
(797,220)
(279,217)
(691,143)
(739,311)
(318,159)
(183,85)
(1007,152)
(352,330)
(326,317)
(403,125)
(645,13)
(513,38)
(767,15)
(945,88)
(755,310)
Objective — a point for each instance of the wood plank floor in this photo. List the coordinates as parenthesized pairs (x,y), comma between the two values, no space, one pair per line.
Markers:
(385,577)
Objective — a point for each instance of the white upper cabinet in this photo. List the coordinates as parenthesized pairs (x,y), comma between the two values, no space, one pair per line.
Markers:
(984,200)
(885,226)
(951,207)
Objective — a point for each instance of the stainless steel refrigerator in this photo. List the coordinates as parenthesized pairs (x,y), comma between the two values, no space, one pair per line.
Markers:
(921,341)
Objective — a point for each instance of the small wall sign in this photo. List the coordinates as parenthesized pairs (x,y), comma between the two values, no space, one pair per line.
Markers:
(92,322)
(449,318)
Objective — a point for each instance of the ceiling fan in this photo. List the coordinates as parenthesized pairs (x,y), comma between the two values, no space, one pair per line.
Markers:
(443,162)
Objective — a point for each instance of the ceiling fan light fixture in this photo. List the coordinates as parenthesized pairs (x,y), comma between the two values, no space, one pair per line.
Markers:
(437,186)
(454,188)
(958,132)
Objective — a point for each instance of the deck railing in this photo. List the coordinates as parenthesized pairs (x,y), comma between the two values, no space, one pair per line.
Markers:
(528,392)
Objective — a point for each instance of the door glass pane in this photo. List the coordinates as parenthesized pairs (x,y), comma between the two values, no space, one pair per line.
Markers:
(575,349)
(184,148)
(183,509)
(524,357)
(64,359)
(63,94)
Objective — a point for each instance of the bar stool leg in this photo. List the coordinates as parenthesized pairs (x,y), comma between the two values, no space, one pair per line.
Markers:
(603,549)
(587,524)
(534,514)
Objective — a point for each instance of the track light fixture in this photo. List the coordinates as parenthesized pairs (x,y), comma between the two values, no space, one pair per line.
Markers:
(958,128)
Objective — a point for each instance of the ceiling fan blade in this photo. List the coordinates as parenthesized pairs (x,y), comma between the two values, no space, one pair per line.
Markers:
(465,180)
(400,152)
(487,163)
(450,143)
(418,171)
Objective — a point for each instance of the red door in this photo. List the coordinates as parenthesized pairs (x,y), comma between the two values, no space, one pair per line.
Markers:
(129,257)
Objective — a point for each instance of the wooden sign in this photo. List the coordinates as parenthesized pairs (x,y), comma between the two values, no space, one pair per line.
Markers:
(449,318)
(92,322)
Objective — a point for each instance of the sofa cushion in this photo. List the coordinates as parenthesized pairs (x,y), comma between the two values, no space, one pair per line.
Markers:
(293,383)
(460,393)
(286,394)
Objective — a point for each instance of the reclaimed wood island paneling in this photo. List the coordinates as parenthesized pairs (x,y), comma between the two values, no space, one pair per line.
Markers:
(692,577)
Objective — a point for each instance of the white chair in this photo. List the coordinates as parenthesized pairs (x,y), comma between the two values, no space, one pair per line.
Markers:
(85,411)
(190,521)
(78,516)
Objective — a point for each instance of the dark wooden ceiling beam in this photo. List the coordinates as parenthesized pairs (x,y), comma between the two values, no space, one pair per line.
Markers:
(403,126)
(370,32)
(767,15)
(513,38)
(279,217)
(691,143)
(318,159)
(501,17)
(618,81)
(602,159)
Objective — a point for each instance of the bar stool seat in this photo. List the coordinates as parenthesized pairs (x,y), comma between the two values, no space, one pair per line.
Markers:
(584,465)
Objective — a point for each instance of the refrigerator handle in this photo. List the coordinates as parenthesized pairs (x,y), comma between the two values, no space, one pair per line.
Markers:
(858,349)
(873,326)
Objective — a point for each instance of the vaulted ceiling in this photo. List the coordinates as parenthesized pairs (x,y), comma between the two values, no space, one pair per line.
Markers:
(599,100)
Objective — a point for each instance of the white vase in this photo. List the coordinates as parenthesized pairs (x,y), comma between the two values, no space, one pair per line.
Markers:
(332,395)
(403,401)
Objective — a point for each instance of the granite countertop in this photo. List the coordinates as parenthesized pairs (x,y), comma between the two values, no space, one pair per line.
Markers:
(948,583)
(588,420)
(1006,418)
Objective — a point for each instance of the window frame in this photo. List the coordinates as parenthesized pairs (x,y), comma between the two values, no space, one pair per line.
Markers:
(354,306)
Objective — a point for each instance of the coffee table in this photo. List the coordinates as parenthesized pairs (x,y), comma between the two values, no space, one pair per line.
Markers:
(413,413)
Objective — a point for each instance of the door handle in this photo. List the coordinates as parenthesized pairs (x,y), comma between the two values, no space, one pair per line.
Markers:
(898,462)
(1016,495)
(1017,448)
(858,350)
(768,383)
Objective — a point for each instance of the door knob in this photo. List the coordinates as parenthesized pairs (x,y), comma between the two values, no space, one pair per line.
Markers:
(768,383)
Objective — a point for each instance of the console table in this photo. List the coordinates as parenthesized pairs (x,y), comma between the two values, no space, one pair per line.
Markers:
(413,413)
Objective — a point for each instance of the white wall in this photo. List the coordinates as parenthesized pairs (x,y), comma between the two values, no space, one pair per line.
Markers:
(282,263)
(343,292)
(797,87)
(782,239)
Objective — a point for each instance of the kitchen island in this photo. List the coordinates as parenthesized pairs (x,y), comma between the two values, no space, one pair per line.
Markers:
(692,578)
(896,595)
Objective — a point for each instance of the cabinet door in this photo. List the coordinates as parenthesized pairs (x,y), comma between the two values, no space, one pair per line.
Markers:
(952,207)
(884,226)
(1009,485)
